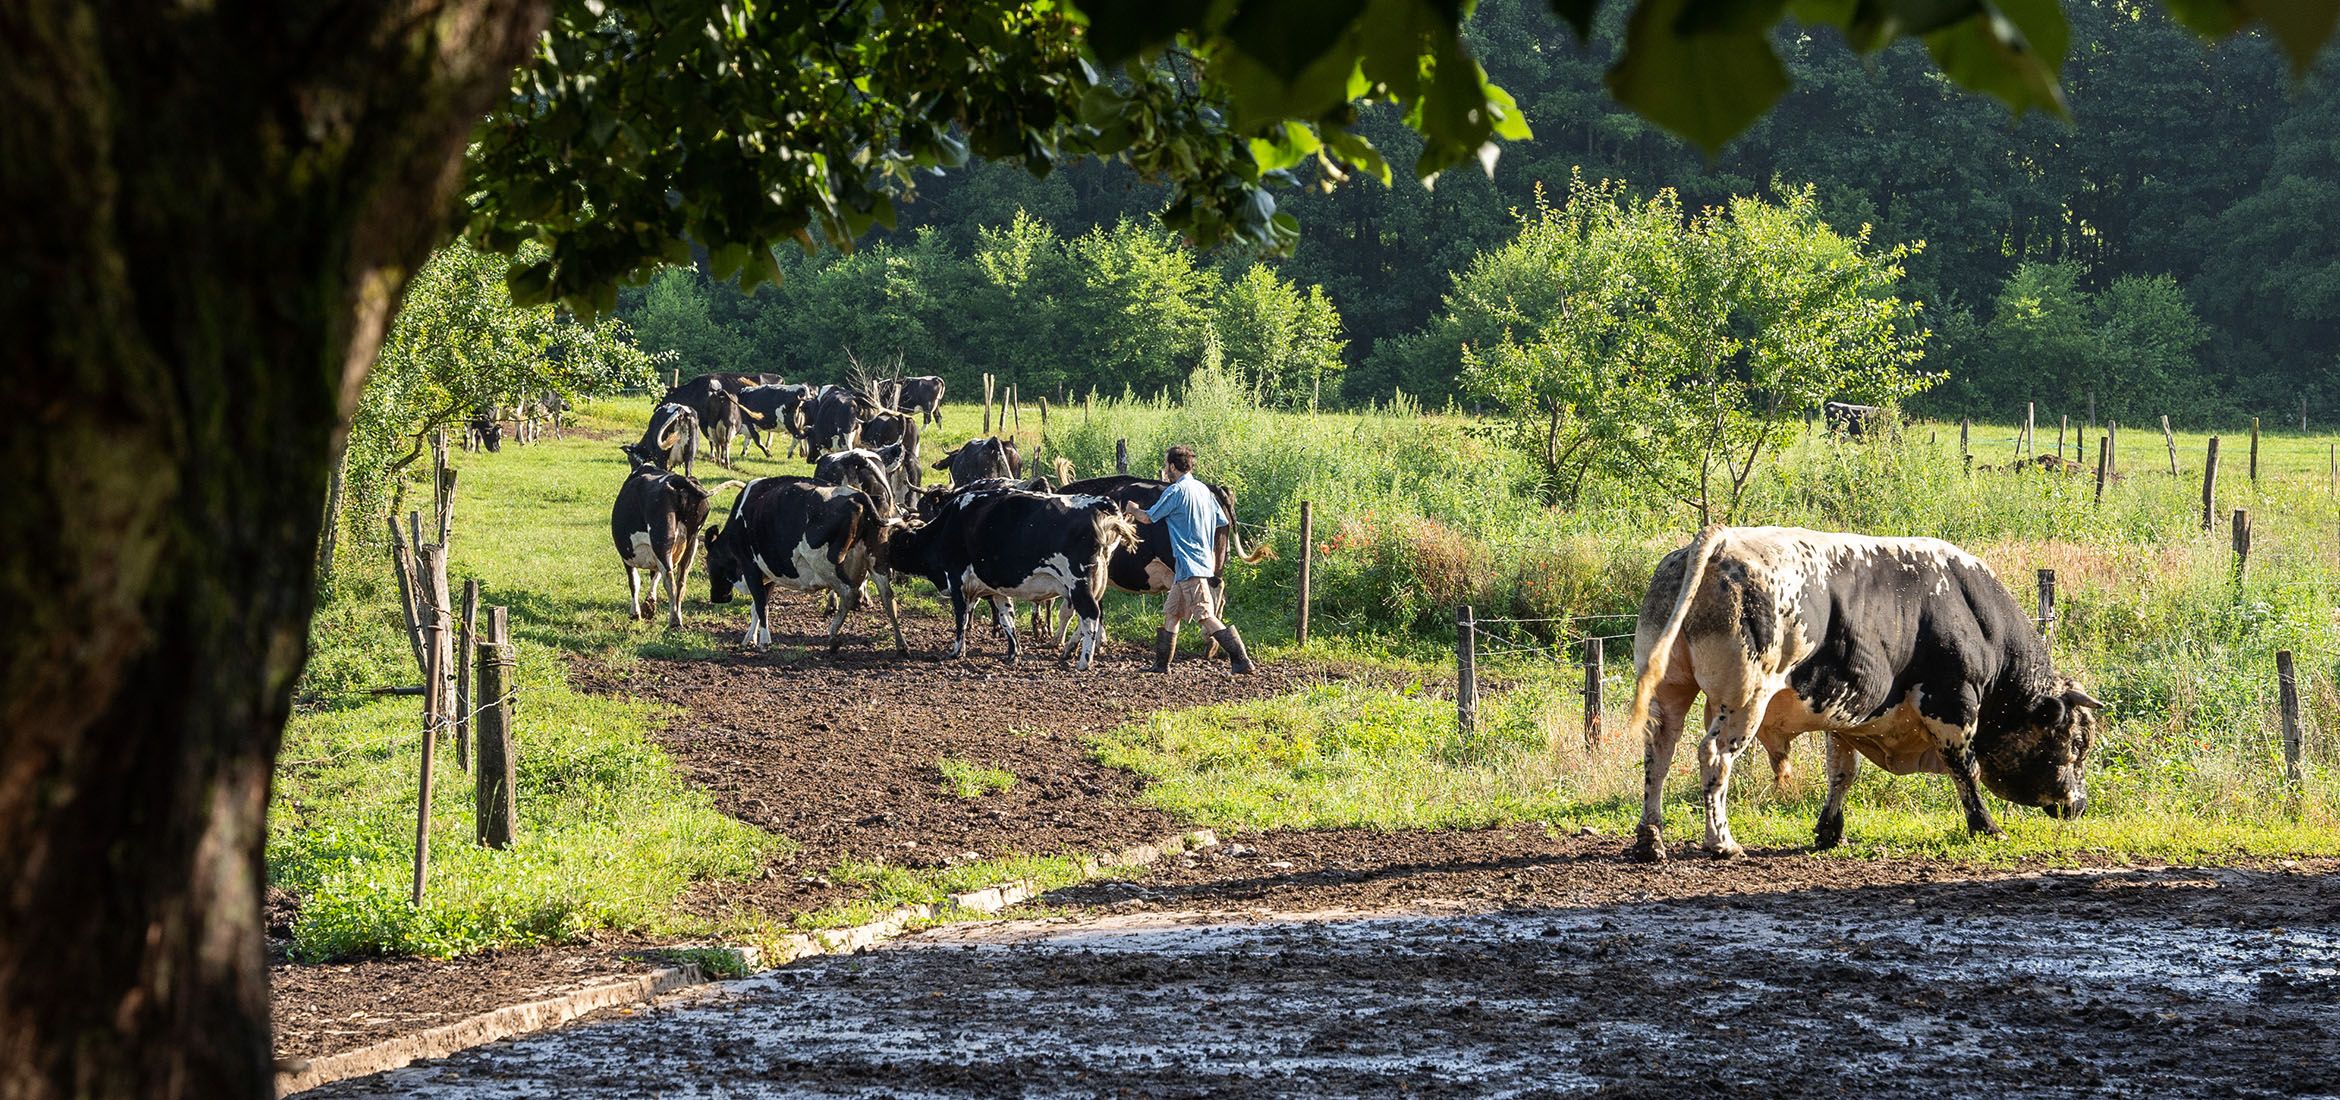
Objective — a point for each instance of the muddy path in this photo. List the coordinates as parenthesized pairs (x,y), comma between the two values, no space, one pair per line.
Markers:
(841,754)
(2168,982)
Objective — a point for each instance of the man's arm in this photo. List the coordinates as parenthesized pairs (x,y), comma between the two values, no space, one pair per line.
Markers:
(1168,502)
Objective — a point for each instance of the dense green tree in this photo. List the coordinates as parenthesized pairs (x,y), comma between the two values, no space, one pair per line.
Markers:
(676,318)
(1628,340)
(1285,343)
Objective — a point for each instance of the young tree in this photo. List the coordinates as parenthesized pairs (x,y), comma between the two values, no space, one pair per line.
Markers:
(1285,344)
(1636,344)
(211,211)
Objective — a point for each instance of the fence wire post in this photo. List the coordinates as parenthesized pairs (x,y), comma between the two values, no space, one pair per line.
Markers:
(2103,462)
(2254,450)
(1121,456)
(1466,671)
(2210,486)
(466,637)
(2287,691)
(495,804)
(1592,692)
(2242,544)
(1307,555)
(2169,440)
(2047,605)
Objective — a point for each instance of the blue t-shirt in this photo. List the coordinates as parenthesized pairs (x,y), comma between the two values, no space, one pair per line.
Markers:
(1194,520)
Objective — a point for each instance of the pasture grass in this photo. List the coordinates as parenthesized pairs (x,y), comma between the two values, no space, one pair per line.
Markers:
(971,781)
(1359,756)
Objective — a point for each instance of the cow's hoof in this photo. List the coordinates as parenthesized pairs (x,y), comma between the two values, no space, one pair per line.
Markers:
(1647,848)
(1828,835)
(1727,850)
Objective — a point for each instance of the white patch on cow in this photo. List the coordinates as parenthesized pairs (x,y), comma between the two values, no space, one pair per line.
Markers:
(643,555)
(1052,577)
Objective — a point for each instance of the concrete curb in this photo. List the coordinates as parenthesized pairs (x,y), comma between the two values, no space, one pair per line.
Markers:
(533,1016)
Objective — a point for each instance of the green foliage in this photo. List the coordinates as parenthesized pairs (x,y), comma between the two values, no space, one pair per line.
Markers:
(970,780)
(1626,342)
(677,319)
(457,346)
(2131,350)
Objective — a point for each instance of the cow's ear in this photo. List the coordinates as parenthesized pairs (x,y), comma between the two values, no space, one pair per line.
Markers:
(2048,713)
(2078,698)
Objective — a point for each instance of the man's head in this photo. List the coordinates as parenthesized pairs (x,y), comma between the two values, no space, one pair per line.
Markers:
(1180,461)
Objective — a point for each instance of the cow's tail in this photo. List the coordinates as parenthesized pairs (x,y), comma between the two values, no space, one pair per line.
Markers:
(1248,556)
(1645,689)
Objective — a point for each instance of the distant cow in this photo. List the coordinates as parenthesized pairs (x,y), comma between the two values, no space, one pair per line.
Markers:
(671,439)
(655,524)
(1004,543)
(977,459)
(896,427)
(483,432)
(556,409)
(1854,421)
(795,533)
(1905,650)
(877,473)
(923,395)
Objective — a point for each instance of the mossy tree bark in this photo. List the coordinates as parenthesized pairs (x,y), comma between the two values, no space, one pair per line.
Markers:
(209,211)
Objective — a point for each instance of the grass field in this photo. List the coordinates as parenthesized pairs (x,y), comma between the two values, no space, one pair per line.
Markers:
(1416,513)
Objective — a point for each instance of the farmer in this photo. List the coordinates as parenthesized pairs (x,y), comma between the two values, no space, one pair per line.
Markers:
(1193,518)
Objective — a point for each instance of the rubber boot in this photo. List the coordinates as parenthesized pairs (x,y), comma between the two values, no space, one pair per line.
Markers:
(1233,644)
(1164,642)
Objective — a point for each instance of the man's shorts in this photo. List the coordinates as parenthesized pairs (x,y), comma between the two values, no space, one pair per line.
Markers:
(1189,600)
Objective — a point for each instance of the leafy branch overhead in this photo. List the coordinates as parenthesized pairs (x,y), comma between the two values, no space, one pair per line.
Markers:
(644,127)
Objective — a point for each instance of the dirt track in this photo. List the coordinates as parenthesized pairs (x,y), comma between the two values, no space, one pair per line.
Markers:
(2210,983)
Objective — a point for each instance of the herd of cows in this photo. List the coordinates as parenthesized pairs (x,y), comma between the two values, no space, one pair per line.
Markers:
(864,517)
(1906,651)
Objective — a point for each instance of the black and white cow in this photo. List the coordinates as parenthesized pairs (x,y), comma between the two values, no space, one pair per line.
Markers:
(671,439)
(712,398)
(795,533)
(556,409)
(977,459)
(1008,544)
(896,427)
(655,525)
(833,421)
(922,395)
(877,473)
(1853,420)
(1905,650)
(483,432)
(774,407)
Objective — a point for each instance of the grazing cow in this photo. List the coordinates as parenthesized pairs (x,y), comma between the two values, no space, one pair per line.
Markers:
(794,533)
(877,473)
(977,459)
(655,524)
(1905,650)
(671,438)
(483,432)
(833,421)
(1009,544)
(923,395)
(1853,420)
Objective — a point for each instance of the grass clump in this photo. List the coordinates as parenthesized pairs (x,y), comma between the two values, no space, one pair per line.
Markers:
(968,780)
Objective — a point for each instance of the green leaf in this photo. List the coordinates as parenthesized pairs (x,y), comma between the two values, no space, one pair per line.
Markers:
(1703,87)
(1288,38)
(1122,29)
(2010,51)
(1293,144)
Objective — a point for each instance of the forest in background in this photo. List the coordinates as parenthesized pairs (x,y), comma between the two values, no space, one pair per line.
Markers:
(2176,249)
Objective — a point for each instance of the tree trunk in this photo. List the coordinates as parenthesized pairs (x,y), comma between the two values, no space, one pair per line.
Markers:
(211,211)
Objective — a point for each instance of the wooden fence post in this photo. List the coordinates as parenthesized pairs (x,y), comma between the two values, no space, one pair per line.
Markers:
(1121,456)
(2092,408)
(1592,692)
(2210,486)
(495,803)
(1043,416)
(2063,424)
(466,640)
(2030,442)
(433,560)
(1307,556)
(1466,671)
(2254,450)
(1015,404)
(402,566)
(1963,426)
(2171,442)
(2102,457)
(2112,449)
(2242,543)
(987,402)
(2047,605)
(2287,692)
